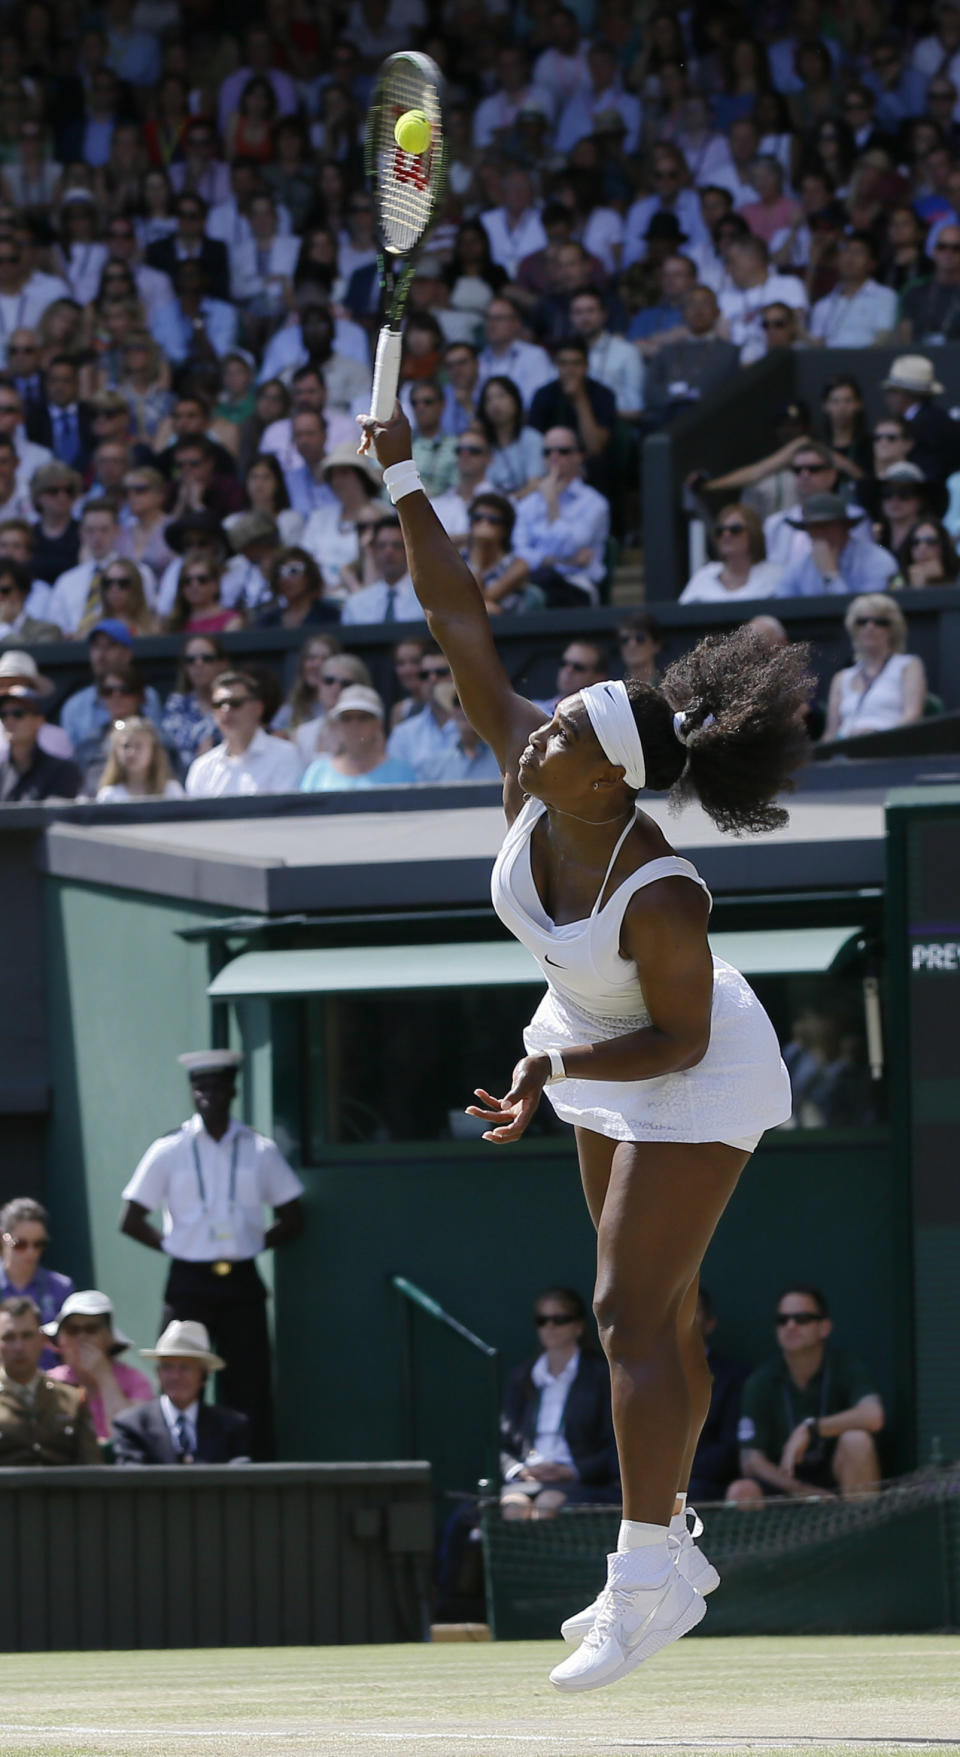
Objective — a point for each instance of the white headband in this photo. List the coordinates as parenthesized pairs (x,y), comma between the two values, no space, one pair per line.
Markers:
(611,716)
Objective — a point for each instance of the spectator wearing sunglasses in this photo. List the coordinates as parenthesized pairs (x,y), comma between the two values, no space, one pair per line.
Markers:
(333,534)
(885,686)
(248,759)
(930,310)
(188,725)
(24,1236)
(28,772)
(816,470)
(927,557)
(198,608)
(809,1415)
(474,459)
(296,583)
(425,740)
(336,672)
(391,597)
(640,641)
(468,757)
(563,525)
(501,575)
(837,561)
(85,715)
(741,569)
(88,1345)
(53,490)
(556,1428)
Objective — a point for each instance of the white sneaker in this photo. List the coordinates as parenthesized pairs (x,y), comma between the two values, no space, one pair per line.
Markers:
(689,1560)
(645,1606)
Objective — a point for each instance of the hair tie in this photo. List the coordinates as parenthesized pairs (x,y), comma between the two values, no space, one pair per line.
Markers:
(685,724)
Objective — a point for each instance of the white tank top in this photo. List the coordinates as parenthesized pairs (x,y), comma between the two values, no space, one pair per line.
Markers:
(876,708)
(580,960)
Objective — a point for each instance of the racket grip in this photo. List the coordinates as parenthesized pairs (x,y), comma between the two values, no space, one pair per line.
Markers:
(386,374)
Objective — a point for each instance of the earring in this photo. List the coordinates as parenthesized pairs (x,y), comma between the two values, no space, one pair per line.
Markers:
(595,786)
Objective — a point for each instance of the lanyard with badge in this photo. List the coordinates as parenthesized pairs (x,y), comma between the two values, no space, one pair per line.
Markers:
(223,1238)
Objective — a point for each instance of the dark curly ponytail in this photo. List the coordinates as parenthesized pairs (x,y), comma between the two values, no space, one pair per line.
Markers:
(743,733)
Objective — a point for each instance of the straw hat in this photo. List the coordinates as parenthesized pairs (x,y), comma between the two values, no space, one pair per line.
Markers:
(913,372)
(185,1339)
(345,457)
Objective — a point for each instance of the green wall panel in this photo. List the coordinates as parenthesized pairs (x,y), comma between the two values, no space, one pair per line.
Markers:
(125,996)
(483,1235)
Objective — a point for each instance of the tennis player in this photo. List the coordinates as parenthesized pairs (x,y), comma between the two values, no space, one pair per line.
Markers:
(659,1054)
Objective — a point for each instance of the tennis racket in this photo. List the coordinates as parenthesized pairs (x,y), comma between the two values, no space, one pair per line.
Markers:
(406,189)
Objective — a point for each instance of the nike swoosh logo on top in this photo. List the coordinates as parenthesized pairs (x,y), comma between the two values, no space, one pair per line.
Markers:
(548,960)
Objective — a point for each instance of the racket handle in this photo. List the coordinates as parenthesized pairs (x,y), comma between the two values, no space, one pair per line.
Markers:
(386,374)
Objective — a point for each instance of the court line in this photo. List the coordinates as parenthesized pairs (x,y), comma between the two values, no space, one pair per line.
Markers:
(752,1742)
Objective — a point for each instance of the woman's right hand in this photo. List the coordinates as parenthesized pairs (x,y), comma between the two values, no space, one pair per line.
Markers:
(391,440)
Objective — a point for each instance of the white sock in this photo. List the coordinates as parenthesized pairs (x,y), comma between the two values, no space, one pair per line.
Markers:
(678,1525)
(635,1535)
(683,1504)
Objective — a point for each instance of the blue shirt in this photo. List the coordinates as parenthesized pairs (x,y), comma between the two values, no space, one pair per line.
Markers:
(456,765)
(84,716)
(306,494)
(322,777)
(582,522)
(173,331)
(863,567)
(423,743)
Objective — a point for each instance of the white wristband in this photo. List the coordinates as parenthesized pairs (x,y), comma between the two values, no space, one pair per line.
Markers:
(557,1069)
(400,479)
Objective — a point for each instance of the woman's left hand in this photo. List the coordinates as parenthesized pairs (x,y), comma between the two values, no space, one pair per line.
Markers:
(511,1115)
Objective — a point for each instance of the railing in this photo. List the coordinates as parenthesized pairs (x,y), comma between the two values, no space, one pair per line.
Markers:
(412,1295)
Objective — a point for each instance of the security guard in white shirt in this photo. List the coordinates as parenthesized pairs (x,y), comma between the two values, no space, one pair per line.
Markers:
(212,1178)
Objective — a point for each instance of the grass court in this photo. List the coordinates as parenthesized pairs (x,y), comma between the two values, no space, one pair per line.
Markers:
(798,1697)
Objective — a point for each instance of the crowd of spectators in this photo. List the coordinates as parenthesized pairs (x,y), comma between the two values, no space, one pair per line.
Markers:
(639,203)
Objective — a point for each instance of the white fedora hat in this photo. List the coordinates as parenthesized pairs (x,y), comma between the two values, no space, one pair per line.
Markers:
(89,1304)
(185,1339)
(913,372)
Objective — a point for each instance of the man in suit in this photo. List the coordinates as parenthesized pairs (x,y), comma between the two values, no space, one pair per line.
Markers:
(189,243)
(61,422)
(178,1427)
(41,1422)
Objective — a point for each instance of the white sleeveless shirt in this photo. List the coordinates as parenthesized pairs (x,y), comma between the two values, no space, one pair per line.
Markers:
(738,1090)
(876,708)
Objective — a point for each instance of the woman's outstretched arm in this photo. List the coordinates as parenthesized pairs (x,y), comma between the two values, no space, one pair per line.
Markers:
(456,614)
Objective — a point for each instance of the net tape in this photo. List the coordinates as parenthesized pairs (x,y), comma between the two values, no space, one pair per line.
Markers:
(406,185)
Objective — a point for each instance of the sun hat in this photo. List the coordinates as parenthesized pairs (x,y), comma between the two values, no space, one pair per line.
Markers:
(344,456)
(21,667)
(913,372)
(357,699)
(185,1339)
(90,1304)
(824,509)
(244,528)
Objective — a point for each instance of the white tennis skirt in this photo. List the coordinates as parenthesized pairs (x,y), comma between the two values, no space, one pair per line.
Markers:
(738,1091)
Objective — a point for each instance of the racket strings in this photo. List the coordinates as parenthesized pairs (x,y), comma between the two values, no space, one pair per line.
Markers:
(406,183)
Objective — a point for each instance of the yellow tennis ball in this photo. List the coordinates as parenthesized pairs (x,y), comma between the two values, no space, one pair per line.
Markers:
(412,131)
